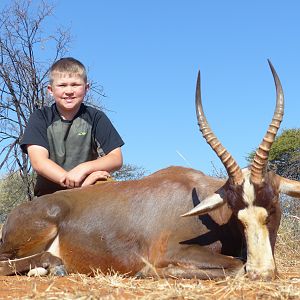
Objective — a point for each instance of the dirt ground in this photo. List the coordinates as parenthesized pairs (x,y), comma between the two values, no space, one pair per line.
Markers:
(119,287)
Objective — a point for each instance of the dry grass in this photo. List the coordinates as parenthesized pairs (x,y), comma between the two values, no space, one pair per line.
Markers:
(119,287)
(115,286)
(287,252)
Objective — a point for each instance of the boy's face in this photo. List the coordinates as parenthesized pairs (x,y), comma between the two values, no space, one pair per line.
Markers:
(68,91)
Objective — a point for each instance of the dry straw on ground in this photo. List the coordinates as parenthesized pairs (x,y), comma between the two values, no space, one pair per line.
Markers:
(119,287)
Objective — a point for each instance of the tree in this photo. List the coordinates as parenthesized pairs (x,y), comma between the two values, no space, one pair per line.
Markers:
(12,193)
(129,172)
(284,160)
(23,76)
(284,156)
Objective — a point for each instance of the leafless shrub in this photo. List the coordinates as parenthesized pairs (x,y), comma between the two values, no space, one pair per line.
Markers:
(24,64)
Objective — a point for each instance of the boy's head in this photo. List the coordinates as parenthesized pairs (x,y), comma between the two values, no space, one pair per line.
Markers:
(67,65)
(68,86)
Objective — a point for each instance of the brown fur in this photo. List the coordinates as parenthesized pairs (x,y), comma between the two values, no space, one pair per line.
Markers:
(119,225)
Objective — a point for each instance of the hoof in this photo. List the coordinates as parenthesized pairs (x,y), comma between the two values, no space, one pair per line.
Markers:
(59,271)
(140,275)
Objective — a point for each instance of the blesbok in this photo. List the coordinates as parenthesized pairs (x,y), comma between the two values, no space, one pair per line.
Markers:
(136,227)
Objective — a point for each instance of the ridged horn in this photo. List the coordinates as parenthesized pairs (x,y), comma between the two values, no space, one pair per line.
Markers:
(233,170)
(260,159)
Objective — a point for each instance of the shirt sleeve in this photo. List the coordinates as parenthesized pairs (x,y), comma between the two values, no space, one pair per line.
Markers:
(106,136)
(35,132)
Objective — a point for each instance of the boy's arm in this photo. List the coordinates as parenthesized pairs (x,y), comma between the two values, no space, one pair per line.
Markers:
(39,158)
(89,172)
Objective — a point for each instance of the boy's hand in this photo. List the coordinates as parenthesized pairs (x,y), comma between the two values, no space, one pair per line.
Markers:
(89,172)
(93,177)
(75,177)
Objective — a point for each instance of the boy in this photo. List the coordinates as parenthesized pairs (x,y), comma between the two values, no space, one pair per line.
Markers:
(70,144)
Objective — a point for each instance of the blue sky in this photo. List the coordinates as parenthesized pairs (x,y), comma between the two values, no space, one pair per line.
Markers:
(146,54)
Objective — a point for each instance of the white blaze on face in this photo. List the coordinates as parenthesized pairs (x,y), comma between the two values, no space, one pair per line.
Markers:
(260,261)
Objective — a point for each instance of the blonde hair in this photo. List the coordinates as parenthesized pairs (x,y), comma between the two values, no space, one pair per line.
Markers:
(68,65)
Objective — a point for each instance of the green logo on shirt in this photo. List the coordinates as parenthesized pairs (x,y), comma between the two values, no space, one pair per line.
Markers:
(82,133)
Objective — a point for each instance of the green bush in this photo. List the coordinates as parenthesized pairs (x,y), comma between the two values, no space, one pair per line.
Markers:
(12,193)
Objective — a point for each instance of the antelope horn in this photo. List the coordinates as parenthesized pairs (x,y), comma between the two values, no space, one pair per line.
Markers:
(260,159)
(233,170)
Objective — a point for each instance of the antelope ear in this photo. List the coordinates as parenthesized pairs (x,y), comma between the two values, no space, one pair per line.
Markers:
(208,204)
(289,187)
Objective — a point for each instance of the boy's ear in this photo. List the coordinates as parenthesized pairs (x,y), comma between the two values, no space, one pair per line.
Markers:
(49,89)
(87,86)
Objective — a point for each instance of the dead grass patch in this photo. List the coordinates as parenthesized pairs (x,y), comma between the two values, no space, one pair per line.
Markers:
(119,287)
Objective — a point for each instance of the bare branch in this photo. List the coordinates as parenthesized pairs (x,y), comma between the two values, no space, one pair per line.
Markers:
(10,148)
(23,74)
